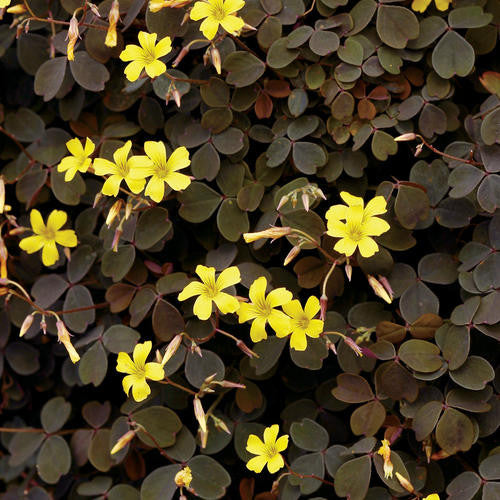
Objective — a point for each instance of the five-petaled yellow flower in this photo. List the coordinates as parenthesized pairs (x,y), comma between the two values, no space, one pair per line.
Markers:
(217,12)
(210,290)
(262,310)
(385,452)
(421,5)
(46,236)
(268,452)
(165,171)
(146,56)
(79,161)
(138,371)
(359,226)
(132,170)
(303,323)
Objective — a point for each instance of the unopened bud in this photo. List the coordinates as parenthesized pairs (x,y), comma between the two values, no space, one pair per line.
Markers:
(97,198)
(177,97)
(323,304)
(348,271)
(203,438)
(273,233)
(43,325)
(128,210)
(72,37)
(199,414)
(418,149)
(183,478)
(116,239)
(67,253)
(294,251)
(2,194)
(123,441)
(305,201)
(231,385)
(410,136)
(248,27)
(355,347)
(28,321)
(379,290)
(171,349)
(220,424)
(94,9)
(331,345)
(216,59)
(156,5)
(114,212)
(113,18)
(427,446)
(283,200)
(19,29)
(243,347)
(4,255)
(64,338)
(20,8)
(405,483)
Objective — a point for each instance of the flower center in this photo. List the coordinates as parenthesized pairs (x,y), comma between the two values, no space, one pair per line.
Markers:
(140,371)
(123,169)
(303,322)
(264,308)
(49,234)
(161,170)
(211,290)
(355,232)
(218,11)
(270,451)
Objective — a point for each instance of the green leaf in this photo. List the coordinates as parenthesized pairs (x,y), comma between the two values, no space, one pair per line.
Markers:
(93,365)
(308,435)
(353,478)
(88,73)
(152,226)
(279,55)
(231,220)
(474,374)
(420,355)
(120,338)
(81,262)
(199,368)
(99,449)
(54,414)
(396,25)
(368,418)
(198,202)
(352,388)
(68,193)
(161,422)
(49,77)
(117,264)
(464,486)
(54,459)
(160,483)
(25,125)
(243,68)
(79,296)
(23,445)
(468,17)
(210,479)
(454,431)
(453,55)
(311,463)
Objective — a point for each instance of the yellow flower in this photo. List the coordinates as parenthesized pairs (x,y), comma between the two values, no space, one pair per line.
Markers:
(210,290)
(79,161)
(421,6)
(132,170)
(183,477)
(4,3)
(138,371)
(432,496)
(72,37)
(268,452)
(146,56)
(165,171)
(360,224)
(302,322)
(113,18)
(385,452)
(46,236)
(218,12)
(262,310)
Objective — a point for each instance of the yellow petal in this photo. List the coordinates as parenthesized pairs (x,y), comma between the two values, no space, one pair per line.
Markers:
(179,159)
(104,167)
(31,244)
(156,152)
(56,220)
(133,70)
(228,277)
(258,330)
(298,341)
(231,6)
(352,200)
(206,274)
(246,312)
(202,307)
(270,434)
(345,246)
(155,68)
(200,10)
(282,443)
(131,53)
(367,247)
(375,226)
(315,328)
(74,146)
(420,5)
(139,166)
(141,390)
(68,162)
(226,303)
(66,238)
(135,185)
(280,323)
(121,154)
(275,464)
(111,185)
(155,189)
(255,445)
(256,464)
(163,47)
(335,228)
(442,5)
(209,27)
(50,254)
(89,147)
(36,221)
(232,24)
(376,206)
(257,291)
(293,308)
(191,289)
(312,307)
(147,41)
(128,382)
(278,297)
(124,364)
(177,181)
(154,371)
(336,212)
(141,352)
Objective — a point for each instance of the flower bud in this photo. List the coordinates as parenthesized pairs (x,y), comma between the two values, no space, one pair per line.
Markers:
(348,271)
(410,136)
(28,321)
(177,97)
(355,347)
(94,9)
(114,212)
(64,338)
(305,201)
(291,255)
(156,5)
(379,290)
(17,9)
(113,18)
(243,347)
(123,441)
(231,385)
(405,483)
(72,37)
(323,304)
(418,149)
(183,478)
(273,233)
(2,194)
(199,414)
(220,424)
(116,239)
(284,199)
(171,349)
(97,198)
(216,59)
(4,255)
(128,210)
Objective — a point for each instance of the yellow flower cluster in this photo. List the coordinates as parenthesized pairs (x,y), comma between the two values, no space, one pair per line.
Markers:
(293,320)
(134,170)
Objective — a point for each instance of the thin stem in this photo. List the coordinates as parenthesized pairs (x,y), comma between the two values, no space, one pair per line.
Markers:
(81,309)
(309,238)
(187,80)
(446,155)
(327,277)
(239,343)
(168,381)
(19,145)
(157,445)
(37,431)
(306,476)
(242,45)
(66,23)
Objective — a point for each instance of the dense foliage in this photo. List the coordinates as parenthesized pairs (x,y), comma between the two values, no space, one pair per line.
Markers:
(249,249)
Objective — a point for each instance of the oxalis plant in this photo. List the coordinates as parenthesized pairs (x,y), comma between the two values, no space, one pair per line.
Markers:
(249,249)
